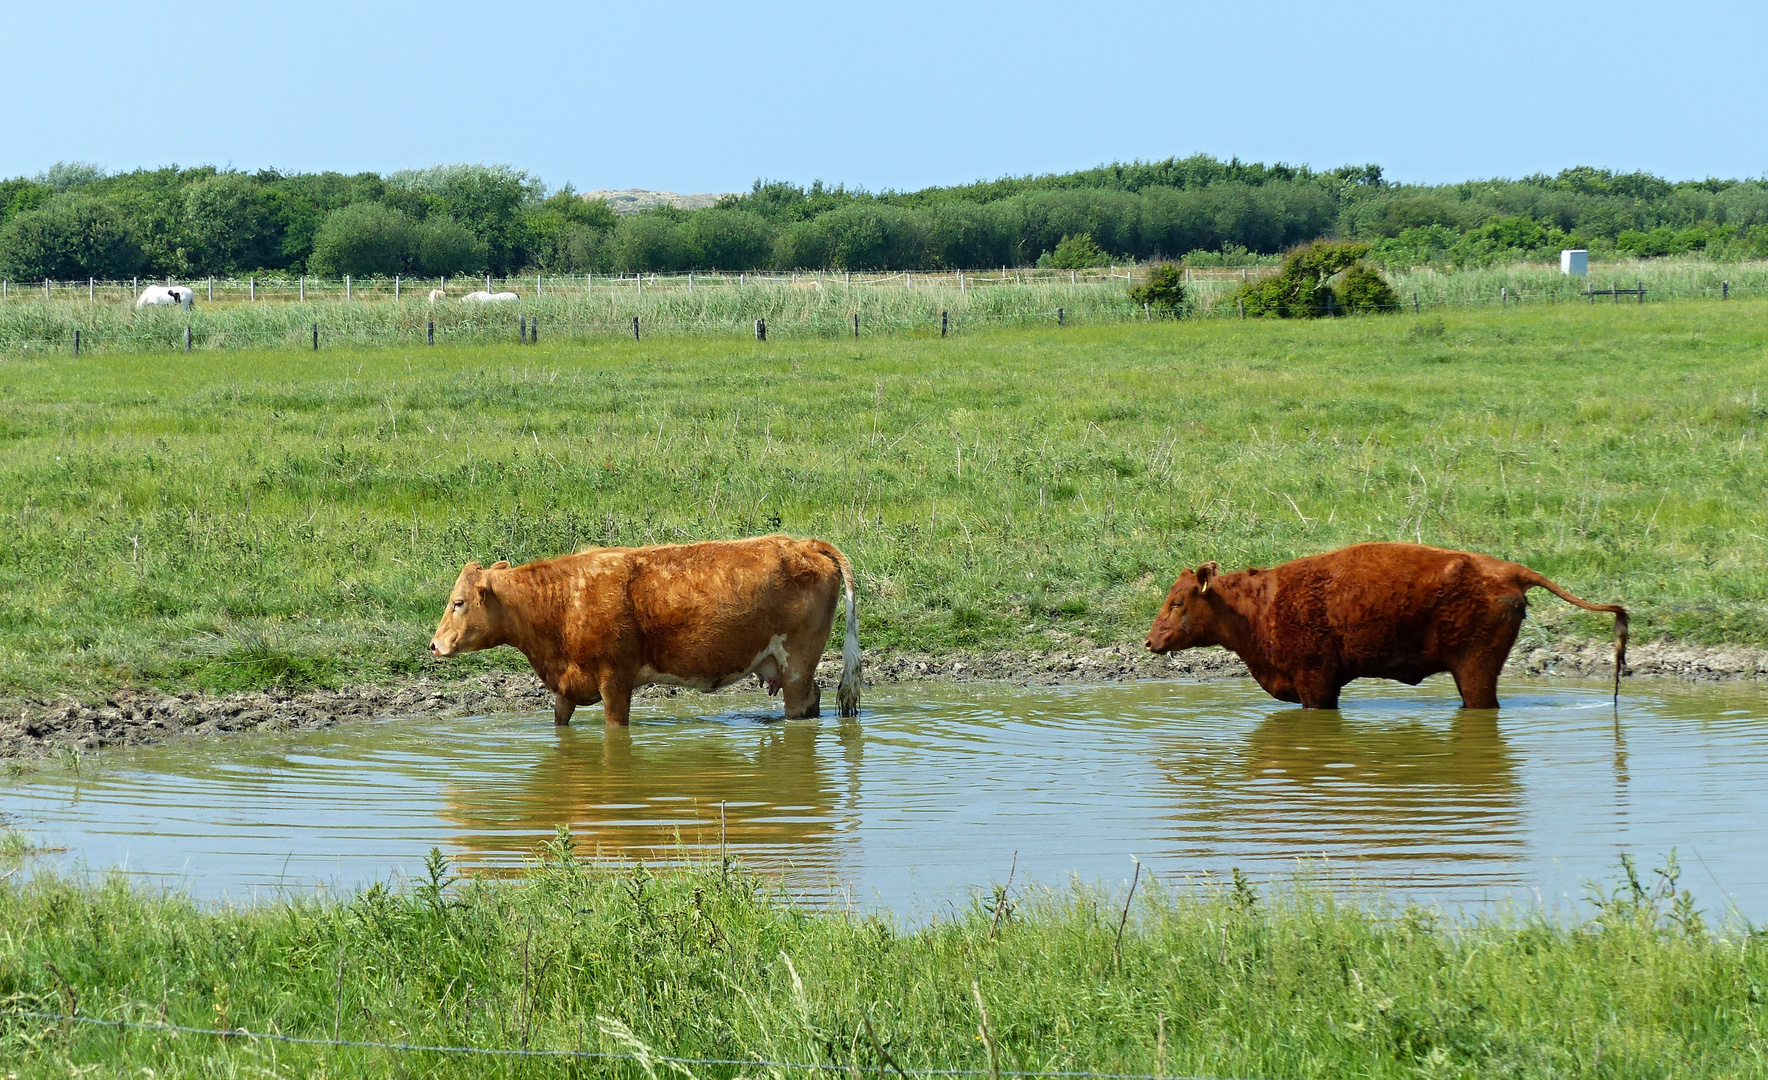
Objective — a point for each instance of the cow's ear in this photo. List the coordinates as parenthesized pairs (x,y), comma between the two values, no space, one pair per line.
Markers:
(1206,574)
(500,564)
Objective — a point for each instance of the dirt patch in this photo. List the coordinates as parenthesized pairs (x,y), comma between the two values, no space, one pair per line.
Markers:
(133,717)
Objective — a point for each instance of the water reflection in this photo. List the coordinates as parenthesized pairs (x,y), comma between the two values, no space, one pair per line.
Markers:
(945,787)
(1305,783)
(637,795)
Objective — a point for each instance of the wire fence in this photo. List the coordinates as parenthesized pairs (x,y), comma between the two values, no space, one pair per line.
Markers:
(643,1057)
(294,313)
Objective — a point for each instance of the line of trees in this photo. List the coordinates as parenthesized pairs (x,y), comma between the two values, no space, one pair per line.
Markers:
(75,221)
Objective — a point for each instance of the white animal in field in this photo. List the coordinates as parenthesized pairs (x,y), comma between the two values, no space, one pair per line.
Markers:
(483,297)
(437,296)
(167,296)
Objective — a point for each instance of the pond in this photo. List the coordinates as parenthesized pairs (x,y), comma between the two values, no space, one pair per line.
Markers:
(938,790)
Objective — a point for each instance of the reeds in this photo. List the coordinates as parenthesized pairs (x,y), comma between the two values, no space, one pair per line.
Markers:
(697,963)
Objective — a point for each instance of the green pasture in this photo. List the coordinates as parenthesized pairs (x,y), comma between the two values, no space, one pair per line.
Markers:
(709,963)
(229,519)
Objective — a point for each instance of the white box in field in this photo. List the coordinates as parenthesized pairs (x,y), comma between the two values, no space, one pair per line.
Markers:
(1575,261)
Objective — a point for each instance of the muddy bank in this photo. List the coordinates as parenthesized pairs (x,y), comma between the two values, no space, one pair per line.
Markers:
(130,717)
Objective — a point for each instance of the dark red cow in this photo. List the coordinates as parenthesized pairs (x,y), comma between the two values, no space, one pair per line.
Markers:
(1381,611)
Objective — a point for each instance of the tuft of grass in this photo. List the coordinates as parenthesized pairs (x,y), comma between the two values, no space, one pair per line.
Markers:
(284,518)
(711,962)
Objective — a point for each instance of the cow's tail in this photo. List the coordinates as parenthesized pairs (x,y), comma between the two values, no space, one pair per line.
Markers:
(1529,579)
(847,693)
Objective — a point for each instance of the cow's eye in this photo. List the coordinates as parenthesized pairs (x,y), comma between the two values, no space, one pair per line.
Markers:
(458,604)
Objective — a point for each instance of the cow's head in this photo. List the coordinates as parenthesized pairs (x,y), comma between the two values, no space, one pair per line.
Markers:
(1186,619)
(473,619)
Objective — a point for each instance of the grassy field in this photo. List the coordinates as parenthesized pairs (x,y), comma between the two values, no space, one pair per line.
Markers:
(236,519)
(701,963)
(817,306)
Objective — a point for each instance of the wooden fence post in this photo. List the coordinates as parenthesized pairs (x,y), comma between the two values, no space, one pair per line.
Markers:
(395,288)
(760,329)
(315,337)
(92,289)
(1725,290)
(635,328)
(211,288)
(1641,286)
(432,332)
(135,288)
(303,288)
(254,288)
(1414,303)
(346,286)
(187,339)
(943,323)
(1059,320)
(76,343)
(534,330)
(522,328)
(1241,305)
(45,288)
(856,324)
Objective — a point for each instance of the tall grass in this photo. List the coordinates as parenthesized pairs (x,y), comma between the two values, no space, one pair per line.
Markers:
(238,519)
(709,962)
(814,306)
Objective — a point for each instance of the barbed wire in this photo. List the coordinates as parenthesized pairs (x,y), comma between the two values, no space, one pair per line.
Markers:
(597,1055)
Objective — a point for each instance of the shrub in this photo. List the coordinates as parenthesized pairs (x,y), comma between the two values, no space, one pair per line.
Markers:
(227,226)
(363,239)
(1328,277)
(1362,289)
(1074,253)
(442,245)
(730,239)
(1163,290)
(69,237)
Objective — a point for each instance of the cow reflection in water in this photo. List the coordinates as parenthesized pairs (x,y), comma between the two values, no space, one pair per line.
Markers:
(1310,782)
(660,798)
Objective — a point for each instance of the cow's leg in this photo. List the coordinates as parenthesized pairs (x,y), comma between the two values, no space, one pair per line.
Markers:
(1317,691)
(804,650)
(803,699)
(1477,679)
(616,688)
(563,707)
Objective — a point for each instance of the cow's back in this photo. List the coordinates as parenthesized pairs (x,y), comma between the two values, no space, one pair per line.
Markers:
(1388,609)
(705,611)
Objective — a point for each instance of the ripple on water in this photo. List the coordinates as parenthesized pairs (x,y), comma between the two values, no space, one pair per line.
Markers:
(938,789)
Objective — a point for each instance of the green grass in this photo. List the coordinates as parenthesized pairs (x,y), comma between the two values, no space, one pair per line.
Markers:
(721,306)
(1217,981)
(241,519)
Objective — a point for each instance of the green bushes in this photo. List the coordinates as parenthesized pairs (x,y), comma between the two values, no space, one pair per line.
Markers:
(1324,278)
(1163,289)
(367,239)
(1075,253)
(67,237)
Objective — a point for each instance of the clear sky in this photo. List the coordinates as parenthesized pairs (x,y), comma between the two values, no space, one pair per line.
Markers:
(708,97)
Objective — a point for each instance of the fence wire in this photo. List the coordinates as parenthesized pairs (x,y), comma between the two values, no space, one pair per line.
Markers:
(598,1055)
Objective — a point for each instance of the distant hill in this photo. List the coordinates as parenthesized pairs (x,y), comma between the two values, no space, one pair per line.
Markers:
(637,200)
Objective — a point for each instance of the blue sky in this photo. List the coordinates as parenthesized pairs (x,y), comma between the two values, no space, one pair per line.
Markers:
(708,97)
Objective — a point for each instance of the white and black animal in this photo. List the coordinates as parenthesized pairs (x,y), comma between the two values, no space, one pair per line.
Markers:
(167,296)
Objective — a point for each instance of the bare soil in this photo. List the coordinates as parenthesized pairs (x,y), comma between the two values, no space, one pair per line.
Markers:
(130,717)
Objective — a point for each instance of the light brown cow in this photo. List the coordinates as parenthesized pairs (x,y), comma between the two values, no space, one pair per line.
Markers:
(597,624)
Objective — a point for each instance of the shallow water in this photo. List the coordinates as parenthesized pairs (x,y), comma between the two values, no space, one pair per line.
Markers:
(937,789)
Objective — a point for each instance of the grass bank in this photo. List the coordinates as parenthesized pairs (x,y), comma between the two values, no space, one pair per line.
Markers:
(703,964)
(231,520)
